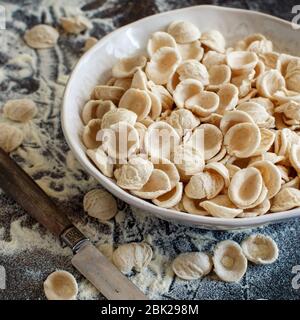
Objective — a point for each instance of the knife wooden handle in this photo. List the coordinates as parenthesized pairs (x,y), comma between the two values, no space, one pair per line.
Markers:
(22,188)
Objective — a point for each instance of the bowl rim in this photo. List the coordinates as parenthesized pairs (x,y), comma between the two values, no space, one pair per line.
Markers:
(164,213)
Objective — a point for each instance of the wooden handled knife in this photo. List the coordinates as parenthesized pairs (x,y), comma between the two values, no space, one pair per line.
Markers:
(87,258)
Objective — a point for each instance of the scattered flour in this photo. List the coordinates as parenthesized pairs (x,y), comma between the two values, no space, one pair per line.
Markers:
(25,239)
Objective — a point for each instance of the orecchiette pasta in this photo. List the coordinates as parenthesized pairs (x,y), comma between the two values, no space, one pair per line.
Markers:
(230,264)
(197,127)
(260,249)
(192,265)
(60,285)
(132,256)
(100,204)
(10,137)
(21,110)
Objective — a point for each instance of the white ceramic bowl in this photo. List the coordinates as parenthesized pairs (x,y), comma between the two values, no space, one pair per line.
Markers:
(94,68)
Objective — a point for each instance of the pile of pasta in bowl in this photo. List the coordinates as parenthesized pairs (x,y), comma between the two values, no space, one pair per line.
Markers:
(199,127)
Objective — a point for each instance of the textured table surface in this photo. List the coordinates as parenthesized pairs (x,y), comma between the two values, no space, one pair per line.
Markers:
(27,252)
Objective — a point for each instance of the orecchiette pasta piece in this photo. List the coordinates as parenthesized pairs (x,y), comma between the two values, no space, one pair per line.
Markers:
(243,83)
(188,160)
(218,75)
(141,129)
(182,120)
(229,96)
(269,59)
(61,285)
(230,264)
(124,83)
(179,207)
(252,93)
(260,249)
(184,31)
(171,198)
(245,187)
(232,169)
(89,43)
(213,140)
(89,135)
(213,58)
(261,46)
(173,82)
(192,265)
(284,95)
(231,118)
(258,70)
(241,61)
(290,109)
(294,183)
(185,90)
(214,119)
(96,109)
(294,157)
(283,140)
(257,112)
(102,161)
(191,50)
(156,106)
(100,204)
(167,167)
(110,81)
(193,69)
(132,256)
(138,101)
(206,184)
(193,206)
(266,103)
(271,176)
(104,92)
(242,139)
(213,40)
(163,94)
(41,36)
(195,139)
(203,104)
(292,65)
(116,115)
(158,40)
(160,139)
(269,83)
(134,174)
(157,185)
(292,79)
(126,67)
(221,207)
(10,137)
(253,37)
(221,169)
(259,210)
(120,140)
(240,162)
(162,65)
(147,122)
(284,173)
(267,156)
(286,199)
(219,156)
(139,80)
(266,142)
(75,24)
(21,110)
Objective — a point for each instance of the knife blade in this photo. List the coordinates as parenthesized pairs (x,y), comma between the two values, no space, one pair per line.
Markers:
(88,260)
